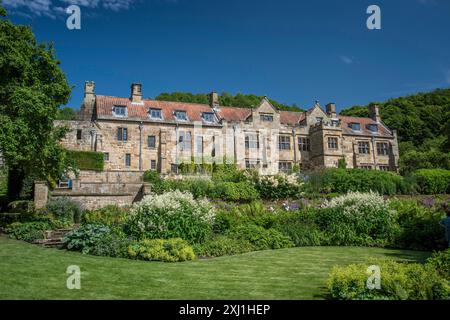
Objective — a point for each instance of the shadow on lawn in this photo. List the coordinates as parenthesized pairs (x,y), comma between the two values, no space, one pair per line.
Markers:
(409,257)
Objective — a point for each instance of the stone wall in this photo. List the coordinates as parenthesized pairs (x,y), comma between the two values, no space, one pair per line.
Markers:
(95,190)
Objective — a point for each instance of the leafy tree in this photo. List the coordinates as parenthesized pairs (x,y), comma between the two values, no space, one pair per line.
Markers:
(66,113)
(32,87)
(225,99)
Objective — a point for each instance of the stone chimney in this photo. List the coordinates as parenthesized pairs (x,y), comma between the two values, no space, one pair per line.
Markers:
(214,100)
(87,109)
(374,112)
(136,93)
(331,110)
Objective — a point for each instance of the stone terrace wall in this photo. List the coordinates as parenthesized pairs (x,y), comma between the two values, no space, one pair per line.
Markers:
(94,190)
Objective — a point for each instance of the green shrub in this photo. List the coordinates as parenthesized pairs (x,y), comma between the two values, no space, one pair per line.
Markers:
(110,215)
(399,281)
(95,239)
(260,238)
(28,231)
(300,227)
(235,191)
(200,188)
(7,218)
(440,261)
(357,180)
(357,219)
(22,206)
(170,250)
(86,160)
(170,215)
(158,184)
(223,246)
(433,181)
(227,173)
(226,218)
(413,160)
(419,226)
(65,209)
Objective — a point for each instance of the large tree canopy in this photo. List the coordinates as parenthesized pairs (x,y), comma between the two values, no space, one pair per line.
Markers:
(422,120)
(32,87)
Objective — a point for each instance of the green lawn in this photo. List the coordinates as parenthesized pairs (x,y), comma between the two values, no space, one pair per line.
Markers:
(31,272)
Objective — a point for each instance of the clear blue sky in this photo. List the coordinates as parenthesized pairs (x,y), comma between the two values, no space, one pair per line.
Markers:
(291,51)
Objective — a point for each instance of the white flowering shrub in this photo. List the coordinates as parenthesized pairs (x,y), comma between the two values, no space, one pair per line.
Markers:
(280,186)
(358,219)
(174,214)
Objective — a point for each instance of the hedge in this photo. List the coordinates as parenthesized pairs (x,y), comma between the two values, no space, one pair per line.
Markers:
(432,181)
(345,180)
(87,160)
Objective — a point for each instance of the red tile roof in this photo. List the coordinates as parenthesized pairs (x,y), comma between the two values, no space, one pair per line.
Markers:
(231,114)
(364,122)
(106,104)
(291,118)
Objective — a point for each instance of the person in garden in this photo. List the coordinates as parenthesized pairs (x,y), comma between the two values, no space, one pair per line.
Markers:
(446,222)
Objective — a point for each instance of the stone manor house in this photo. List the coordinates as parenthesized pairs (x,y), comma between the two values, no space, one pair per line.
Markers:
(137,134)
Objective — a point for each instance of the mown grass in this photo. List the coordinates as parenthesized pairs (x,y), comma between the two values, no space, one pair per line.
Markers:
(31,272)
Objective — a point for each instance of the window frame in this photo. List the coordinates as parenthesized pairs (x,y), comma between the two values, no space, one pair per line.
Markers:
(154,141)
(106,156)
(284,145)
(381,151)
(150,112)
(122,134)
(287,166)
(153,165)
(304,144)
(363,147)
(178,112)
(252,164)
(79,134)
(127,160)
(213,117)
(370,126)
(182,141)
(251,143)
(353,124)
(119,107)
(333,143)
(265,117)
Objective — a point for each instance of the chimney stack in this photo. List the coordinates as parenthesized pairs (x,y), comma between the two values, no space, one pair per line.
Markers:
(136,93)
(331,110)
(374,112)
(214,100)
(87,109)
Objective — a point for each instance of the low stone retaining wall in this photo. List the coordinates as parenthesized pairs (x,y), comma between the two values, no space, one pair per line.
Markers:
(95,190)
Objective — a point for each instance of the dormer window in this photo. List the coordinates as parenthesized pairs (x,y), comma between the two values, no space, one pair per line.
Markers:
(180,115)
(266,117)
(208,116)
(372,127)
(155,113)
(120,111)
(355,126)
(319,119)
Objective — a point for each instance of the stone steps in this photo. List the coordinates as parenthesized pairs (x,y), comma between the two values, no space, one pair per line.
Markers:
(53,238)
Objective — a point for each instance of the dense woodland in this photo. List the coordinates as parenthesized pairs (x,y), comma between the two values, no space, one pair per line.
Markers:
(423,125)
